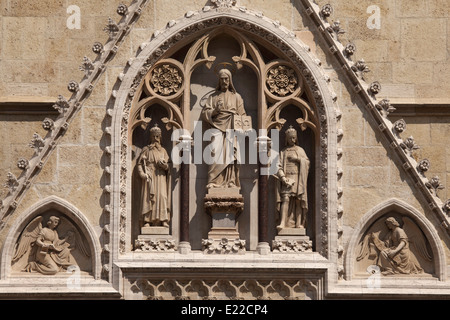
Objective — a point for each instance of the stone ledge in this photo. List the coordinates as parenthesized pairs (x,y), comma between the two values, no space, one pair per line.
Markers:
(27,107)
(416,109)
(39,286)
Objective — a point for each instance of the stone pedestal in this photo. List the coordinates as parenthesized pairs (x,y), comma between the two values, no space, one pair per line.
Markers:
(154,230)
(155,239)
(224,205)
(292,240)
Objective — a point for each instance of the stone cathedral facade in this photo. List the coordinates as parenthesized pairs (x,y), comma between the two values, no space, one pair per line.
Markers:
(225,149)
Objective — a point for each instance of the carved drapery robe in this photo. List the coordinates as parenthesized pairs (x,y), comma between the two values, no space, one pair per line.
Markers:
(224,172)
(50,261)
(297,173)
(403,262)
(155,191)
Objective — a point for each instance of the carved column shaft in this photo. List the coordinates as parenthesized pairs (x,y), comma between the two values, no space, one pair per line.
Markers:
(263,192)
(184,245)
(263,207)
(184,202)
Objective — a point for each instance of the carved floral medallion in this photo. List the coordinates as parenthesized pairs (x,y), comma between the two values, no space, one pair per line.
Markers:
(166,80)
(282,81)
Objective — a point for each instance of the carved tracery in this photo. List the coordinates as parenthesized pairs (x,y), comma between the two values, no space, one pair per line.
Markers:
(281,83)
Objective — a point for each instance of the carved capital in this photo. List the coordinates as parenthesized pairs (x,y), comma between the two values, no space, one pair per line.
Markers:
(229,204)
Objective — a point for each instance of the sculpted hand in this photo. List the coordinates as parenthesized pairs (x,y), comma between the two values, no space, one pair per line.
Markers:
(162,164)
(391,253)
(143,175)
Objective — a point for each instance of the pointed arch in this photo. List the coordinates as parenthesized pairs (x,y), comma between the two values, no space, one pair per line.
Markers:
(65,208)
(188,30)
(403,208)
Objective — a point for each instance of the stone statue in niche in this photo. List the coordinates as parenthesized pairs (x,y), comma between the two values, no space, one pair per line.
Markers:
(393,254)
(292,198)
(153,169)
(42,247)
(224,110)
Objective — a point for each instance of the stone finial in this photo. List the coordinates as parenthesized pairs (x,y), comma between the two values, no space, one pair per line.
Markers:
(87,66)
(11,182)
(434,184)
(360,68)
(409,145)
(223,3)
(335,29)
(37,143)
(61,104)
(111,28)
(384,107)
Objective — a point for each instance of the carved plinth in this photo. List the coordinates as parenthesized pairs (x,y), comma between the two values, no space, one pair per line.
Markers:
(154,230)
(223,246)
(292,231)
(224,205)
(291,244)
(155,243)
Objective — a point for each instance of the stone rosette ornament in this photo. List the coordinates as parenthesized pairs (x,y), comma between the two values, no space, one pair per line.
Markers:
(424,165)
(282,81)
(166,80)
(48,124)
(349,49)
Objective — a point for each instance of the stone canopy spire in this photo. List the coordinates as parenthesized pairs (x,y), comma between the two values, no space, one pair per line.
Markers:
(224,3)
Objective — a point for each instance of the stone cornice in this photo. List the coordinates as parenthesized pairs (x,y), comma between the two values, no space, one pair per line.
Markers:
(411,109)
(27,108)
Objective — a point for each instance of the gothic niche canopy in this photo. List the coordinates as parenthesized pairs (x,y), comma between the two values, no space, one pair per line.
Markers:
(202,87)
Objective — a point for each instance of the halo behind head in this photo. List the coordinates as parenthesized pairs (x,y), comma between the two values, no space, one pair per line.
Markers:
(231,68)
